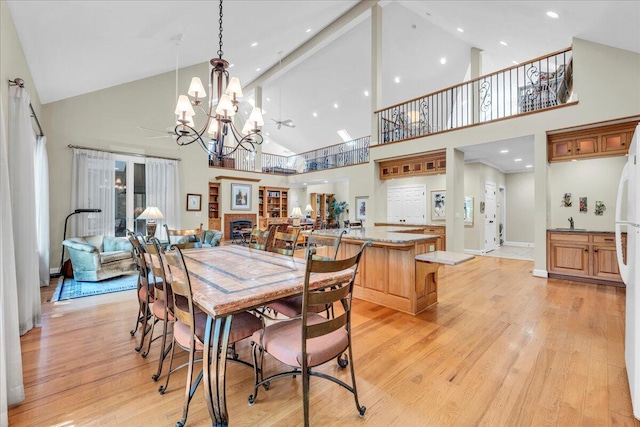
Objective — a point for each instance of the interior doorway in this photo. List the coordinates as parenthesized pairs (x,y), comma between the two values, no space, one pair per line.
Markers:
(490,229)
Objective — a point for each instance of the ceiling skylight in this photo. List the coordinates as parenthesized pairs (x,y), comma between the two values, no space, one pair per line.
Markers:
(552,14)
(254,44)
(460,30)
(503,43)
(344,135)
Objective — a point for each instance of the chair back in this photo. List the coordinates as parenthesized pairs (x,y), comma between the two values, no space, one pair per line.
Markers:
(331,245)
(258,239)
(156,267)
(184,239)
(181,287)
(323,297)
(138,256)
(284,243)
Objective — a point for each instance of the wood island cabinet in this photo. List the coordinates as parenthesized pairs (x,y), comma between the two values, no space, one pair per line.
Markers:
(584,256)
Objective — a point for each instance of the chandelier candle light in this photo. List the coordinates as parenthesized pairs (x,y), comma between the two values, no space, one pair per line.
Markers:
(218,122)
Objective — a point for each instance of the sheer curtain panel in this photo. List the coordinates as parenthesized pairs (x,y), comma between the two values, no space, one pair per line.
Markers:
(21,147)
(163,191)
(93,179)
(11,384)
(42,208)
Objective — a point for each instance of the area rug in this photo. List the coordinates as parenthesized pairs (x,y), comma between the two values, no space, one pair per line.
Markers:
(69,289)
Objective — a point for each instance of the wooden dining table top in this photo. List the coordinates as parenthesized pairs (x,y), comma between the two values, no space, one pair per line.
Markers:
(231,279)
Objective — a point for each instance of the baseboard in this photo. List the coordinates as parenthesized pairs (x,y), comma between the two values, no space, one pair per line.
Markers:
(519,244)
(473,252)
(540,273)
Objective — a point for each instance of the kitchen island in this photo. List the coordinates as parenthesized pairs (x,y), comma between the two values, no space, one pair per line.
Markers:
(387,273)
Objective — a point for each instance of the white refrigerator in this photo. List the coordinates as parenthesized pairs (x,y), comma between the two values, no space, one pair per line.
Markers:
(629,221)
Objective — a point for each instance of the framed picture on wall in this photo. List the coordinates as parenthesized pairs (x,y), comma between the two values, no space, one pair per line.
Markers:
(438,205)
(194,202)
(241,197)
(361,208)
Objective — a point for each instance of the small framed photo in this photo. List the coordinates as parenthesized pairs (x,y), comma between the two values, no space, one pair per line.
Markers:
(361,208)
(241,197)
(438,205)
(194,202)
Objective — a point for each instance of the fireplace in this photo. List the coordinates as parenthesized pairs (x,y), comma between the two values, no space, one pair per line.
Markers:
(238,224)
(229,223)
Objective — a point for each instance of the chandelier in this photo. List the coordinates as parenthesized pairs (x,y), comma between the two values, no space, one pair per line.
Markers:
(219,119)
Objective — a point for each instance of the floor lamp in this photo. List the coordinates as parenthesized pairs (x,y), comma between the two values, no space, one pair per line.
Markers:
(64,235)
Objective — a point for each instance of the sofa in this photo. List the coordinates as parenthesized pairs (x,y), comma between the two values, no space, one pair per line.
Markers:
(204,239)
(96,258)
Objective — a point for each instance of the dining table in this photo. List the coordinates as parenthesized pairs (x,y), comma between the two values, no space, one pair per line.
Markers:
(227,280)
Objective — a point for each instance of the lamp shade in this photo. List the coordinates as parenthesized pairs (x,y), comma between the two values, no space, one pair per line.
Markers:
(225,106)
(184,106)
(213,128)
(151,212)
(308,208)
(296,212)
(234,88)
(255,118)
(196,89)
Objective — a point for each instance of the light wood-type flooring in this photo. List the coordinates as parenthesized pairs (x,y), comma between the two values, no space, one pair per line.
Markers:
(502,348)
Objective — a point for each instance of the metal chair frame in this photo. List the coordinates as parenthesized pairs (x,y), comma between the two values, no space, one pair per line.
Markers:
(144,305)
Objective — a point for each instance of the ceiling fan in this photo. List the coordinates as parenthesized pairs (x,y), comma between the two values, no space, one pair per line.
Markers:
(280,122)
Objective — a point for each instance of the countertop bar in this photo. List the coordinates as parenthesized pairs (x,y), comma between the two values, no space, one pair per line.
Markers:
(578,230)
(380,234)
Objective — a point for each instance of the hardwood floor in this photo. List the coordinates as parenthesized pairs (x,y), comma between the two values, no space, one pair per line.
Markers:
(502,348)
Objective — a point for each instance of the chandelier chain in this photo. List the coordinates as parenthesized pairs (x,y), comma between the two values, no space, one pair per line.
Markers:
(220,52)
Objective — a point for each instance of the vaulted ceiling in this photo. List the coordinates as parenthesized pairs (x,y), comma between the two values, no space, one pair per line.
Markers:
(76,47)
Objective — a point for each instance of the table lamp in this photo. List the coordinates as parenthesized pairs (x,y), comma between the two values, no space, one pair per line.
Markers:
(296,213)
(308,210)
(151,213)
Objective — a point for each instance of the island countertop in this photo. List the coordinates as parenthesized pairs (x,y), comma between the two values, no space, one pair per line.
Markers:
(379,234)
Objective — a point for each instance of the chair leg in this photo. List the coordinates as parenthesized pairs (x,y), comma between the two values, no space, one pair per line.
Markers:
(306,376)
(188,394)
(163,350)
(361,409)
(256,375)
(163,388)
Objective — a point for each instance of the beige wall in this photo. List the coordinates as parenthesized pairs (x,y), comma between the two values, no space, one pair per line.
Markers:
(595,179)
(519,208)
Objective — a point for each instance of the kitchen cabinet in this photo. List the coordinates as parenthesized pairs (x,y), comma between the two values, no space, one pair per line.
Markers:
(427,164)
(583,256)
(600,141)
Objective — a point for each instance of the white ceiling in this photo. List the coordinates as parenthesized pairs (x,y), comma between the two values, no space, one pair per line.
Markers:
(75,47)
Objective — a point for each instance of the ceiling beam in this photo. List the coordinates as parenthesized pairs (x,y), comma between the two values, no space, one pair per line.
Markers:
(319,40)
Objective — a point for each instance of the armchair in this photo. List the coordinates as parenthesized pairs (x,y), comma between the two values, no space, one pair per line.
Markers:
(96,258)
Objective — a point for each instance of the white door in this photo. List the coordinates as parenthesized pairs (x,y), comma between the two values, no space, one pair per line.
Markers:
(489,216)
(394,205)
(415,205)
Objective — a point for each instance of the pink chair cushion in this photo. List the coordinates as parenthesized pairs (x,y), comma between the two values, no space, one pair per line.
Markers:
(158,310)
(283,340)
(243,325)
(142,293)
(292,306)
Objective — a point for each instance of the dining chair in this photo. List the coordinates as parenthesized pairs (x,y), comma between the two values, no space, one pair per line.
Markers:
(189,327)
(162,308)
(185,239)
(285,243)
(312,340)
(145,291)
(258,239)
(328,245)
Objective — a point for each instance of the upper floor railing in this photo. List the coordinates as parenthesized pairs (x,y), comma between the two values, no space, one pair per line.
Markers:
(346,154)
(538,84)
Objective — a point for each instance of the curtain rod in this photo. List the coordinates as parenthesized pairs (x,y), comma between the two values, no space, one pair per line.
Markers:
(124,153)
(20,83)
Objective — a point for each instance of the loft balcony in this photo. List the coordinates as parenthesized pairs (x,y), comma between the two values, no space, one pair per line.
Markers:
(537,85)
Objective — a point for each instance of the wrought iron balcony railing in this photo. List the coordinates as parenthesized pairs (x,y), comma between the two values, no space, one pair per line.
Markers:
(542,83)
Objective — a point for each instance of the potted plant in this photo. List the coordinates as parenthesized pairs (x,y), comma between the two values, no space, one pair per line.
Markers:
(336,209)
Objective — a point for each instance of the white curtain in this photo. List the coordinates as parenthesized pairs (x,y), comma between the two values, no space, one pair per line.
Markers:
(93,187)
(163,192)
(11,385)
(21,147)
(42,208)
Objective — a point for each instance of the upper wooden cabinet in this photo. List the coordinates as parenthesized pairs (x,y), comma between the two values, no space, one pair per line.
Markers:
(610,140)
(426,164)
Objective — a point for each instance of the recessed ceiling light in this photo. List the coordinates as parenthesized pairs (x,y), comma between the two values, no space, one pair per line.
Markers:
(267,133)
(308,30)
(504,151)
(366,93)
(443,60)
(517,160)
(397,80)
(315,114)
(254,44)
(503,43)
(335,105)
(231,65)
(258,69)
(268,99)
(304,183)
(552,14)
(460,30)
(529,166)
(325,181)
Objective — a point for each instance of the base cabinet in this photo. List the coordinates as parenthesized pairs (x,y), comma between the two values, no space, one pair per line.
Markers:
(584,256)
